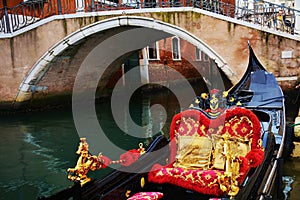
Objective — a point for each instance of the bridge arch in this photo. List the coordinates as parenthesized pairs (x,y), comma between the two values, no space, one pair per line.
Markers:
(40,68)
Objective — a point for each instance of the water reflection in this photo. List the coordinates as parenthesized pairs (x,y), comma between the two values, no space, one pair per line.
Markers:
(35,151)
(291,178)
(287,182)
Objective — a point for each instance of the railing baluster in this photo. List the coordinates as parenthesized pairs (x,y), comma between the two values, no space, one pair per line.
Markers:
(6,18)
(59,7)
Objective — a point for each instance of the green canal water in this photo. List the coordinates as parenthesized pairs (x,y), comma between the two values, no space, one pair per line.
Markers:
(37,148)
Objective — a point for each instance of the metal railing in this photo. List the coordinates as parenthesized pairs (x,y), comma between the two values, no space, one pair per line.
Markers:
(22,15)
(269,15)
(30,12)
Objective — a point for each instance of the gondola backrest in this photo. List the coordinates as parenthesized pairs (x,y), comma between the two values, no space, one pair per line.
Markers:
(238,123)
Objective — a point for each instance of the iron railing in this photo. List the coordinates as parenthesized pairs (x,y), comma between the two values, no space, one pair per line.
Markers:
(270,15)
(30,12)
(21,15)
(266,14)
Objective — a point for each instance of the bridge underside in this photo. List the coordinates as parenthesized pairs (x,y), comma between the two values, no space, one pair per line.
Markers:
(92,56)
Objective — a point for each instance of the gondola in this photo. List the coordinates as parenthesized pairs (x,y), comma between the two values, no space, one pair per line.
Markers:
(226,145)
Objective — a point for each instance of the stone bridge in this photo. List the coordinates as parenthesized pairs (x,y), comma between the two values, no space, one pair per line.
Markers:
(47,55)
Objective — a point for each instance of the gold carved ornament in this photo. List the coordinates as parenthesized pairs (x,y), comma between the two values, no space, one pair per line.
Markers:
(228,181)
(87,162)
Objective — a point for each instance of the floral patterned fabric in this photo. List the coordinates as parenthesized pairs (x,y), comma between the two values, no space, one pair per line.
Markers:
(146,196)
(203,181)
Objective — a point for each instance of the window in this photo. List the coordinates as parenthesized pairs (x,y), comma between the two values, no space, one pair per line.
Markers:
(205,57)
(200,56)
(153,53)
(175,48)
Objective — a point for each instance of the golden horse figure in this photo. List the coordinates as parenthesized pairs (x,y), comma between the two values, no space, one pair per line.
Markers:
(85,163)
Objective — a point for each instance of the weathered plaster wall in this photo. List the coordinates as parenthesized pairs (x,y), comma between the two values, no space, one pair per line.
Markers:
(230,41)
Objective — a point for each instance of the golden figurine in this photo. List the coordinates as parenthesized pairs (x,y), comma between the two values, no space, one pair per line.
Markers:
(227,181)
(79,173)
(85,162)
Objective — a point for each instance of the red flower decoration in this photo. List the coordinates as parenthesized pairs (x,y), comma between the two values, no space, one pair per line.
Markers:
(104,160)
(255,157)
(129,157)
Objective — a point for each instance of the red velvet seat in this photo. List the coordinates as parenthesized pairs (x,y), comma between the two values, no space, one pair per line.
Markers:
(231,132)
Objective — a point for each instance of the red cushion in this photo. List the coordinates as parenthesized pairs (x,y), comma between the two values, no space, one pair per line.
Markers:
(146,196)
(202,181)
